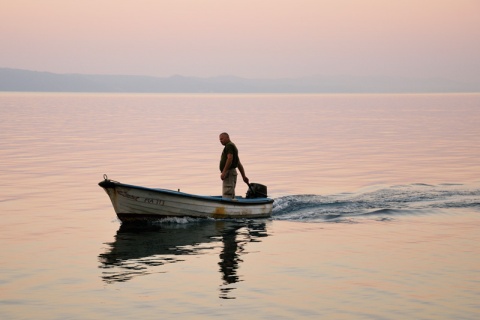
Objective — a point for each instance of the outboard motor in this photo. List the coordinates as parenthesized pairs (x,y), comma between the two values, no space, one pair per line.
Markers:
(256,190)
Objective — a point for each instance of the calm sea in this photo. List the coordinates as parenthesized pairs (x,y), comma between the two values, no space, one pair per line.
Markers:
(376,213)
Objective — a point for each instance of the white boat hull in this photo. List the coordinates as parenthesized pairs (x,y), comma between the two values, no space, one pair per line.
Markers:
(132,202)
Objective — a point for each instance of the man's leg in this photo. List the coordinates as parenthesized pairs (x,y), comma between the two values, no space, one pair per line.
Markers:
(229,184)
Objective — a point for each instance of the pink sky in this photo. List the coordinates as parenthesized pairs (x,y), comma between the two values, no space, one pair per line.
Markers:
(248,38)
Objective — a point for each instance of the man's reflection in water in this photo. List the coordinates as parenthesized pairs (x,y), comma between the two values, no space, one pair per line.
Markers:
(143,249)
(234,240)
(229,259)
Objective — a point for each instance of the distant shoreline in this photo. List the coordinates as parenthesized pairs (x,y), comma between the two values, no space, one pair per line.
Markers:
(18,80)
(240,93)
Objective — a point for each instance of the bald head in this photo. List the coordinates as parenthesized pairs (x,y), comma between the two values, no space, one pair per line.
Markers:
(224,138)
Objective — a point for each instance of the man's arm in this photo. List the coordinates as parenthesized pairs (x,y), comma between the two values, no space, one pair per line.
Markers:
(242,172)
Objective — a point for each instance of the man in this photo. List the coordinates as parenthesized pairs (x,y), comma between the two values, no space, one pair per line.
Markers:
(229,161)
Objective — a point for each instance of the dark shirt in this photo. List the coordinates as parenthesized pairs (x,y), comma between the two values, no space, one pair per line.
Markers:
(229,148)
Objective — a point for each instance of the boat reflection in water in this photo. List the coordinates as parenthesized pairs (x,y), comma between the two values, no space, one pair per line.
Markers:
(141,249)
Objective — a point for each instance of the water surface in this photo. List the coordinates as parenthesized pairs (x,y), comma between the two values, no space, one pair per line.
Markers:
(376,212)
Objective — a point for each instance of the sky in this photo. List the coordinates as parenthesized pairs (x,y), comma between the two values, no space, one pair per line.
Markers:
(247,38)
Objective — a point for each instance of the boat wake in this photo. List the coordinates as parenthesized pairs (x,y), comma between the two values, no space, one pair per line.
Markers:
(379,204)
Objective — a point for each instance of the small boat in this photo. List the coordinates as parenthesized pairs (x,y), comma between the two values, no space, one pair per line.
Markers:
(136,203)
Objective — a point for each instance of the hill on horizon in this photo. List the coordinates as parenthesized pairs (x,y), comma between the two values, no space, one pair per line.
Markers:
(18,80)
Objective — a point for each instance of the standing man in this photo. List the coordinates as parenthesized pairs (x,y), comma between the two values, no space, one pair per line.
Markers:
(229,161)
